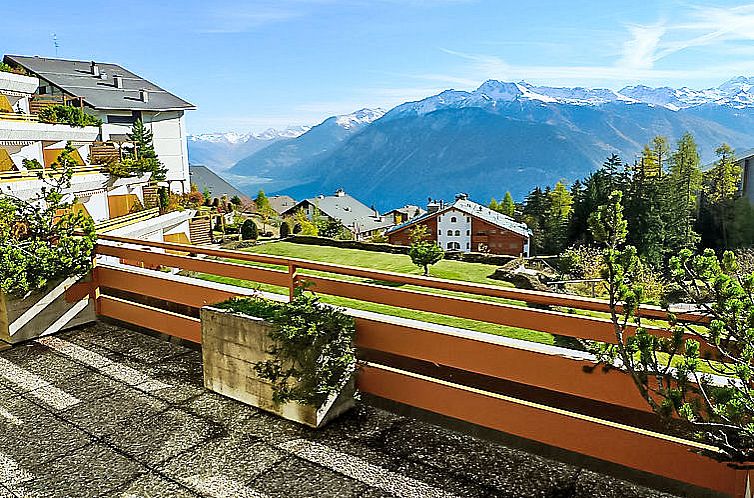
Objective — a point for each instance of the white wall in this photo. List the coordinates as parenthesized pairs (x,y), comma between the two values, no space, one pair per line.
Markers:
(32,151)
(169,131)
(97,206)
(447,230)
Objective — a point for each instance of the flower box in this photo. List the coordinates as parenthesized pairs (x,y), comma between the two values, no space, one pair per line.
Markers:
(232,345)
(61,305)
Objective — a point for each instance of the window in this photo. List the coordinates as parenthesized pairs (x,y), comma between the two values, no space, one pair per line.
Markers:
(458,233)
(439,232)
(115,119)
(468,232)
(468,220)
(454,246)
(468,245)
(453,219)
(450,232)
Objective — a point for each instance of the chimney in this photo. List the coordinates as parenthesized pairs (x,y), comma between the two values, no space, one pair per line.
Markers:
(117,81)
(434,206)
(462,196)
(144,95)
(340,192)
(95,69)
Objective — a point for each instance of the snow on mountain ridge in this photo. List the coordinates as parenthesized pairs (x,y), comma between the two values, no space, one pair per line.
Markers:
(233,137)
(360,117)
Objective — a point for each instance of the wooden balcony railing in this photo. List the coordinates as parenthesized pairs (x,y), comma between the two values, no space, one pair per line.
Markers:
(33,174)
(14,116)
(542,393)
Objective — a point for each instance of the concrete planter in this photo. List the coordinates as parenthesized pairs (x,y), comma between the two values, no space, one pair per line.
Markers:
(231,344)
(57,307)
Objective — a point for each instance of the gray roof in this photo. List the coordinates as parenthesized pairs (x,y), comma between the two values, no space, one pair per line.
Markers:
(353,214)
(474,209)
(409,210)
(281,203)
(205,178)
(75,78)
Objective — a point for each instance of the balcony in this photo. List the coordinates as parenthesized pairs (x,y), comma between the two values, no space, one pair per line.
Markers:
(29,129)
(31,175)
(139,402)
(17,83)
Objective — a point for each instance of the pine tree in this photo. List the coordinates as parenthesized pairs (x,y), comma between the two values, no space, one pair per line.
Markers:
(556,219)
(507,207)
(685,181)
(494,205)
(145,158)
(721,189)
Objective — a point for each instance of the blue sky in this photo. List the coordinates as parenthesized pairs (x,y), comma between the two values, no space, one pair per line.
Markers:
(258,64)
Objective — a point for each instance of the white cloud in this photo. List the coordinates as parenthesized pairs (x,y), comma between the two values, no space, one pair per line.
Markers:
(640,51)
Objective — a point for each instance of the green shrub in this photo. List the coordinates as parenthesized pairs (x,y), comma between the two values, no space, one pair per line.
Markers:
(65,114)
(249,230)
(42,239)
(314,356)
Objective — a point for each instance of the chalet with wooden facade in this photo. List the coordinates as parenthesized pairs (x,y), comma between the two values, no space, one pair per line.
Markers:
(467,226)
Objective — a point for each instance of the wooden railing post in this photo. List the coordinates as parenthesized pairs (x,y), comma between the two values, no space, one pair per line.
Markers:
(292,280)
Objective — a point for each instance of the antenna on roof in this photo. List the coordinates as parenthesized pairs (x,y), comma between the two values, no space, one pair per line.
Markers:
(55,43)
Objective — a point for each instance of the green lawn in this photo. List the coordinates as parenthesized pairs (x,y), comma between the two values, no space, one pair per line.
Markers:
(400,263)
(448,269)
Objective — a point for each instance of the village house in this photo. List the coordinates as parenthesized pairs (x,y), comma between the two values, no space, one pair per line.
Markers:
(467,226)
(361,220)
(281,203)
(118,206)
(403,214)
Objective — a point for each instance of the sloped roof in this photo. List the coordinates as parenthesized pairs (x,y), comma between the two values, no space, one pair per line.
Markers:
(352,213)
(205,178)
(75,78)
(409,210)
(281,203)
(474,209)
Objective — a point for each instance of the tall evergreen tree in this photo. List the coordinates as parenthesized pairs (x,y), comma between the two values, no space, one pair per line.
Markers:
(721,189)
(556,218)
(685,181)
(145,158)
(507,206)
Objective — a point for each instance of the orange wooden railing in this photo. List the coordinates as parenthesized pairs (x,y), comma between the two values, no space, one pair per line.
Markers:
(465,375)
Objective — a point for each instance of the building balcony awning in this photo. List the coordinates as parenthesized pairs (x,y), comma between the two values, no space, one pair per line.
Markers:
(15,131)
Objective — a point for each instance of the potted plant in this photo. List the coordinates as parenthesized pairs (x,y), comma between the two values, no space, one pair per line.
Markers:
(293,359)
(45,249)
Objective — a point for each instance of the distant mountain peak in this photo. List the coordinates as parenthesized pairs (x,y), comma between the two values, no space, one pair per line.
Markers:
(234,137)
(359,118)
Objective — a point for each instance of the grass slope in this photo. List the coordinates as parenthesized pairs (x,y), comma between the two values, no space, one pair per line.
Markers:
(448,269)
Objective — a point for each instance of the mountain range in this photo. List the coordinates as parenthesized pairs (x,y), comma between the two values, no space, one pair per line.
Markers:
(500,137)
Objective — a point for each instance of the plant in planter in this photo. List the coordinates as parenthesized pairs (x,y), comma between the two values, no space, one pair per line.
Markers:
(295,359)
(43,240)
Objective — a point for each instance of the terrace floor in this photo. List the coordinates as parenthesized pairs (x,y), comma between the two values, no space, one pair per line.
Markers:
(103,411)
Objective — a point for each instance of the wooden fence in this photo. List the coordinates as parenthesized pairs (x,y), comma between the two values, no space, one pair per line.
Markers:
(542,393)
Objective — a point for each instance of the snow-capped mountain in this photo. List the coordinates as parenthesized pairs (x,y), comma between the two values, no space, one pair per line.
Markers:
(359,118)
(285,163)
(500,136)
(220,151)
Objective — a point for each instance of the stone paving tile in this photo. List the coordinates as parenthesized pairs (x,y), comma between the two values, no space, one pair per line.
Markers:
(299,478)
(233,458)
(152,440)
(118,344)
(92,386)
(109,414)
(220,409)
(151,486)
(591,484)
(88,472)
(31,436)
(514,473)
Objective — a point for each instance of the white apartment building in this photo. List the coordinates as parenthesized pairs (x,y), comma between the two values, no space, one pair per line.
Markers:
(118,98)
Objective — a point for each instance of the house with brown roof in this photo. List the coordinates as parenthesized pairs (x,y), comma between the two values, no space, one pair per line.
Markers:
(467,226)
